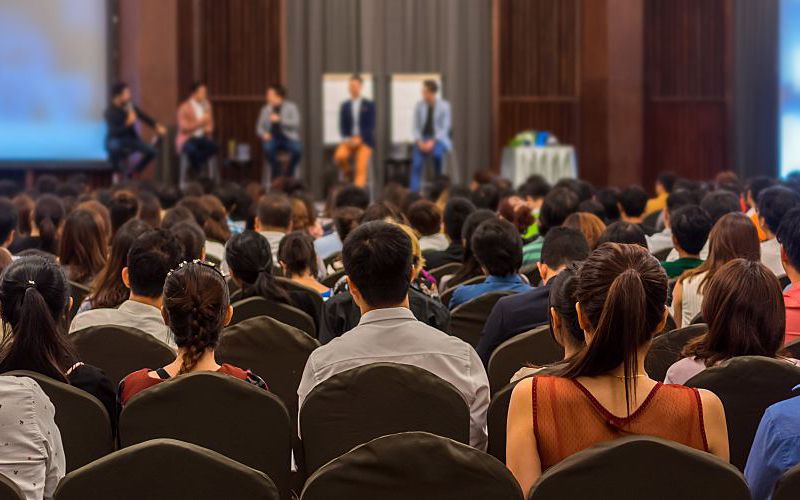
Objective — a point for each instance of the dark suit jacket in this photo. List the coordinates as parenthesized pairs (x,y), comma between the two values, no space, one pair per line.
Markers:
(341,314)
(366,120)
(511,316)
(438,258)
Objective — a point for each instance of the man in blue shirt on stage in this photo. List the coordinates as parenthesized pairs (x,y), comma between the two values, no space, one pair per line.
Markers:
(431,132)
(357,128)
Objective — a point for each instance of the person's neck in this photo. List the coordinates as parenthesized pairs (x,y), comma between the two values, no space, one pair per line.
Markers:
(273,229)
(768,235)
(156,302)
(682,254)
(365,308)
(792,273)
(570,350)
(206,363)
(632,220)
(551,273)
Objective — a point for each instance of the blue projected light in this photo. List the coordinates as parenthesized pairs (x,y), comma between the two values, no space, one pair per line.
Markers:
(52,79)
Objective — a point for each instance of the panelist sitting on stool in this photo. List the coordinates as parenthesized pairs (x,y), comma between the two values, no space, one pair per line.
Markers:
(431,132)
(279,128)
(195,126)
(122,139)
(357,128)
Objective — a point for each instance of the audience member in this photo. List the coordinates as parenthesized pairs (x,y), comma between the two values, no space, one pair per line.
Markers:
(743,308)
(108,289)
(196,309)
(192,238)
(662,240)
(732,237)
(534,190)
(426,219)
(664,184)
(589,225)
(9,219)
(522,312)
(498,249)
(609,198)
(216,227)
(151,256)
(274,220)
(773,204)
(299,262)
(559,204)
(33,453)
(455,215)
(5,259)
(604,392)
(348,196)
(719,203)
(632,204)
(690,226)
(25,207)
(470,267)
(34,304)
(175,215)
(593,207)
(82,246)
(754,188)
(775,449)
(516,210)
(789,237)
(623,232)
(486,197)
(149,209)
(123,207)
(378,260)
(48,214)
(380,210)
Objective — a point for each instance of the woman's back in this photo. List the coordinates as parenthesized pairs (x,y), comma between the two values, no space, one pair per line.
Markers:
(568,418)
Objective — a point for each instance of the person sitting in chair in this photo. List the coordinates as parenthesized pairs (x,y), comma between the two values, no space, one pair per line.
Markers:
(195,127)
(431,132)
(279,129)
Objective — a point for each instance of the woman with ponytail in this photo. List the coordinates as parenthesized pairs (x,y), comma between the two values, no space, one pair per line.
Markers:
(48,213)
(196,309)
(34,303)
(603,392)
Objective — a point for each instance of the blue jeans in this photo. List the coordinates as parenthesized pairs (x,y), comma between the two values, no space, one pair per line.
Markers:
(418,162)
(275,146)
(199,150)
(119,149)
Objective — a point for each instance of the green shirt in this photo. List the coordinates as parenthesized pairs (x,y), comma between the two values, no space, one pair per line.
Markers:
(532,252)
(676,267)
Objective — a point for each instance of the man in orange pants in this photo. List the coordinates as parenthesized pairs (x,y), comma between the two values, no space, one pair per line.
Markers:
(357,128)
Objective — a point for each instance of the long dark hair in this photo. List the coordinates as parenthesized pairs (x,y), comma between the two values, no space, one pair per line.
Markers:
(34,299)
(563,296)
(622,291)
(48,215)
(109,290)
(249,258)
(470,266)
(743,306)
(296,252)
(83,245)
(196,300)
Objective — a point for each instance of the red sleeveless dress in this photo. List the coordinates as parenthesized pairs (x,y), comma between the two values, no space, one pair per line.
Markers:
(568,419)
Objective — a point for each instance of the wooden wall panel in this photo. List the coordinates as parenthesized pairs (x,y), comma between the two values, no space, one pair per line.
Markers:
(236,47)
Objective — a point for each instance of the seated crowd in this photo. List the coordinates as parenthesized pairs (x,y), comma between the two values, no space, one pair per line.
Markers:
(390,281)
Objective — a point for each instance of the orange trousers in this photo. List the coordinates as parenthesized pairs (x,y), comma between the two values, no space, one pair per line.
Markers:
(362,153)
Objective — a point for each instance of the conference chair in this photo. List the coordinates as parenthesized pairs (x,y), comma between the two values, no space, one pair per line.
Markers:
(85,426)
(788,486)
(120,350)
(444,270)
(467,320)
(275,351)
(698,319)
(532,348)
(415,465)
(652,221)
(78,292)
(747,386)
(9,489)
(219,412)
(637,467)
(531,272)
(166,469)
(662,255)
(333,278)
(313,295)
(793,348)
(331,260)
(447,294)
(784,281)
(259,306)
(666,349)
(370,401)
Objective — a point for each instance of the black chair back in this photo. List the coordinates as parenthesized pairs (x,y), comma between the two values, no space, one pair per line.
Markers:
(496,420)
(467,320)
(639,467)
(78,292)
(531,272)
(165,469)
(448,294)
(444,270)
(535,347)
(784,281)
(747,386)
(9,489)
(666,349)
(273,350)
(314,297)
(259,306)
(794,349)
(414,465)
(219,412)
(85,425)
(788,486)
(374,400)
(120,350)
(662,255)
(333,278)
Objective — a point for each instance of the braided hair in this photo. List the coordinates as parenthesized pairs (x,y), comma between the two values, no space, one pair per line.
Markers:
(196,300)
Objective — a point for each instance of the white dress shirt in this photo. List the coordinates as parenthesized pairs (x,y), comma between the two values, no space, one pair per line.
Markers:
(395,336)
(659,241)
(199,113)
(438,242)
(33,455)
(356,108)
(771,256)
(130,313)
(274,238)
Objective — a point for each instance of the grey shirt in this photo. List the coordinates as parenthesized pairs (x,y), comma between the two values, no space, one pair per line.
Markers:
(290,120)
(130,313)
(395,336)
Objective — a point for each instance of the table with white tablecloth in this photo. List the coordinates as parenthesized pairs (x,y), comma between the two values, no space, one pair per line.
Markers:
(551,162)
